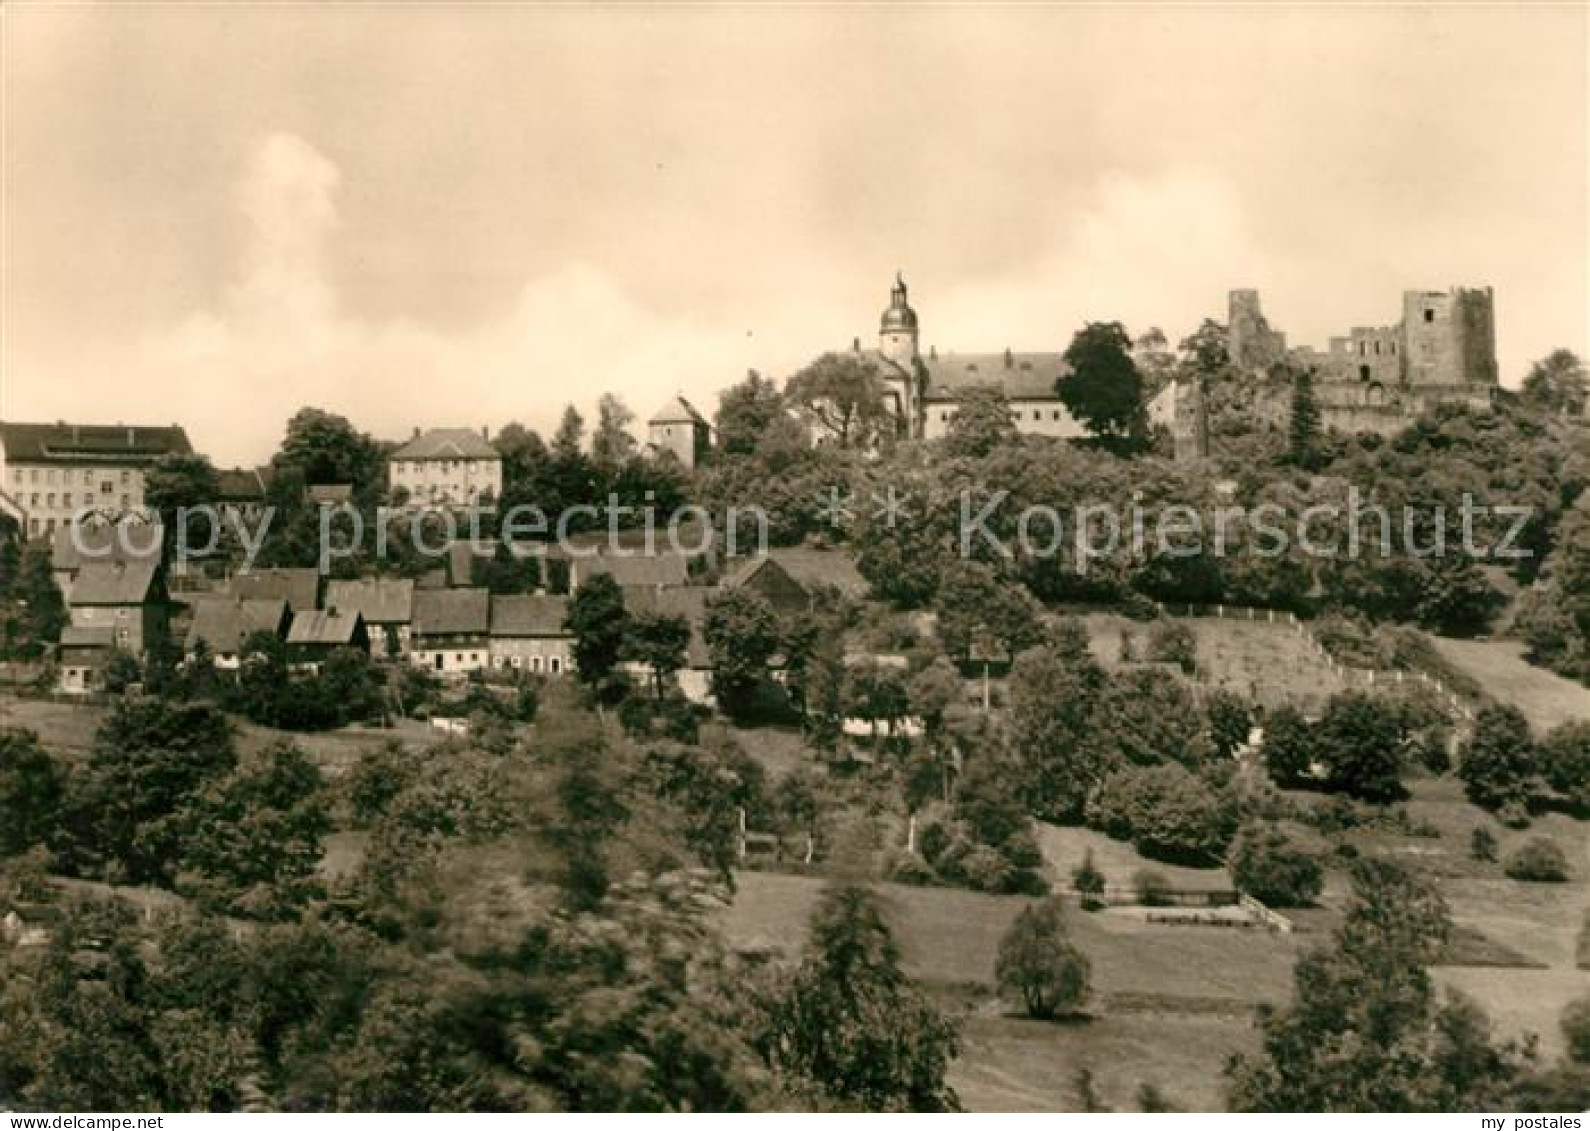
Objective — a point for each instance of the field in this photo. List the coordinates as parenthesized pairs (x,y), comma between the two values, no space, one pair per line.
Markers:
(1545,697)
(69,728)
(1171,1003)
(1065,847)
(1269,663)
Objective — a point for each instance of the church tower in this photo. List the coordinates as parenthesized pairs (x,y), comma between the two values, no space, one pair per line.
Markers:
(897,329)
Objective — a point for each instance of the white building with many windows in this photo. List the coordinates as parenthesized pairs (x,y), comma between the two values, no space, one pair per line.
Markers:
(50,473)
(449,467)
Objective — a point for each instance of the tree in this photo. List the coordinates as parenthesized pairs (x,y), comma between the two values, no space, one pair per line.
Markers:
(1288,748)
(1166,811)
(611,443)
(569,439)
(843,396)
(31,787)
(40,609)
(1576,1029)
(1365,1032)
(981,424)
(747,413)
(322,447)
(1565,761)
(254,838)
(1266,864)
(1104,389)
(1089,882)
(1303,429)
(978,607)
(1040,965)
(1230,720)
(1052,709)
(852,1023)
(741,634)
(1558,384)
(148,758)
(658,641)
(179,482)
(1500,762)
(599,625)
(1359,741)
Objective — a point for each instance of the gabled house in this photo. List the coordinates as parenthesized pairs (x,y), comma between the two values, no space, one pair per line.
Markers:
(81,658)
(299,587)
(764,576)
(446,467)
(127,597)
(451,630)
(690,603)
(316,633)
(75,544)
(224,624)
(385,603)
(528,633)
(632,571)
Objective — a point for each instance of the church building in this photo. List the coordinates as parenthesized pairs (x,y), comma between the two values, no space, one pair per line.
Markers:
(923,390)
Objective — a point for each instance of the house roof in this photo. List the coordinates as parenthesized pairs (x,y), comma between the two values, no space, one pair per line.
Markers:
(92,445)
(380,600)
(677,411)
(103,542)
(74,636)
(242,484)
(447,443)
(741,570)
(326,493)
(635,571)
(299,587)
(1022,376)
(451,612)
(688,601)
(811,566)
(116,582)
(321,626)
(223,623)
(529,614)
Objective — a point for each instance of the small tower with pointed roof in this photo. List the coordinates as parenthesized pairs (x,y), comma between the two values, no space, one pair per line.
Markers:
(677,428)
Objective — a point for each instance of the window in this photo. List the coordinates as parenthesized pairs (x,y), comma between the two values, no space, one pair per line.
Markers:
(1429,315)
(1363,372)
(66,500)
(50,476)
(1057,414)
(126,477)
(535,663)
(16,475)
(557,666)
(1037,414)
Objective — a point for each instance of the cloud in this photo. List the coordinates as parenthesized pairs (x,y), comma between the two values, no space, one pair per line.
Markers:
(1143,250)
(279,339)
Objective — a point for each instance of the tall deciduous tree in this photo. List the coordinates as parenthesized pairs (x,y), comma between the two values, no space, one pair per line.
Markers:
(600,625)
(1039,965)
(843,396)
(1558,383)
(850,1021)
(611,443)
(659,641)
(1104,389)
(741,634)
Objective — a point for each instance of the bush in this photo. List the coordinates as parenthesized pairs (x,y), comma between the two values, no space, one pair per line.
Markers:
(1089,882)
(1576,1029)
(985,869)
(1167,812)
(1288,747)
(1040,965)
(909,868)
(1500,762)
(1171,642)
(1267,865)
(1153,889)
(1482,845)
(1540,860)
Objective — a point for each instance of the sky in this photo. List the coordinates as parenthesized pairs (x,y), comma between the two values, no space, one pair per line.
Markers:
(415,216)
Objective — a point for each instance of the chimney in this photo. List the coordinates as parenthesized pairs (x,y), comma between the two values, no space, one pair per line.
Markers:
(131,432)
(416,432)
(933,353)
(855,345)
(485,432)
(1010,359)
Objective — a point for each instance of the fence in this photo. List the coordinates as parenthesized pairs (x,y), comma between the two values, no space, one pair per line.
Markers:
(1272,919)
(1364,677)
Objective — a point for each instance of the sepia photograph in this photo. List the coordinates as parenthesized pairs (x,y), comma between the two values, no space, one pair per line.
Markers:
(794,558)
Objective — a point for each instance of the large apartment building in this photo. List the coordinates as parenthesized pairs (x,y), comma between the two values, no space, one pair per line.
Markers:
(50,473)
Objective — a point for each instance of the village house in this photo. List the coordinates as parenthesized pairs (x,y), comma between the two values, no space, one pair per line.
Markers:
(54,472)
(632,571)
(689,603)
(528,633)
(385,603)
(224,624)
(73,544)
(127,597)
(446,467)
(316,633)
(766,577)
(451,630)
(298,586)
(240,494)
